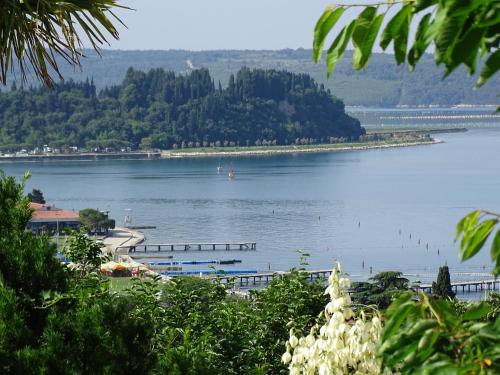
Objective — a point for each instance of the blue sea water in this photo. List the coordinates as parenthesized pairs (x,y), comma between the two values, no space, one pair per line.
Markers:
(357,207)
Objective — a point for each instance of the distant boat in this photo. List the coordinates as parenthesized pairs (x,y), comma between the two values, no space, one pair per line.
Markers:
(219,168)
(231,170)
(229,261)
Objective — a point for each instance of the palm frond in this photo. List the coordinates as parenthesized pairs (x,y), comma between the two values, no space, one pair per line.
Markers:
(34,32)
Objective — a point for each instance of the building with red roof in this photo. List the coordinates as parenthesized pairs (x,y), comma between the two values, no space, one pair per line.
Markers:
(50,219)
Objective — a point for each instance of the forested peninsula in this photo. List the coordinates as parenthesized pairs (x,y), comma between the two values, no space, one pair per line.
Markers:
(161,109)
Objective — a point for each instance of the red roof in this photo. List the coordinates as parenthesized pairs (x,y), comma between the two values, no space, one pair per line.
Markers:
(36,206)
(55,214)
(43,213)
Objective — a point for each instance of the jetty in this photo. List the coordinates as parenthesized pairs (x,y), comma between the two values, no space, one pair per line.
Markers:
(464,286)
(199,246)
(263,278)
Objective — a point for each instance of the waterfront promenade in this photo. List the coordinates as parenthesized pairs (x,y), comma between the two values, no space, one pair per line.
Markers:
(119,237)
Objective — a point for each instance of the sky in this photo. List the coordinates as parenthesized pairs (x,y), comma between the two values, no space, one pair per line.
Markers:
(219,24)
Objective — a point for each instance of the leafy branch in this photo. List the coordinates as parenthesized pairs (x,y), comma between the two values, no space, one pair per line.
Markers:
(474,230)
(460,31)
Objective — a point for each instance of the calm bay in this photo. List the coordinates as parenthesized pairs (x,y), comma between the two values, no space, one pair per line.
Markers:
(391,209)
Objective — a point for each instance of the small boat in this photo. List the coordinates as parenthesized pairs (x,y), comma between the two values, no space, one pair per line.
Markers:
(219,168)
(231,171)
(229,261)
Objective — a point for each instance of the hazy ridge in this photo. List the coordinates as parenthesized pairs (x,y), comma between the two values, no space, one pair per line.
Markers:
(383,84)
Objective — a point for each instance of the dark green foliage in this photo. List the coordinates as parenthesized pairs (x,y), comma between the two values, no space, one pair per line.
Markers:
(97,336)
(430,336)
(461,307)
(28,268)
(95,221)
(234,336)
(27,261)
(14,334)
(36,196)
(381,290)
(442,287)
(158,109)
(289,298)
(53,322)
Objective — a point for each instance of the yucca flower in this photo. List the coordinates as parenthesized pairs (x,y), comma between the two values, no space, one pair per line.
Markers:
(341,345)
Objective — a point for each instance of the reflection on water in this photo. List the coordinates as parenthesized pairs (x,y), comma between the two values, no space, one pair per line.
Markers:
(359,207)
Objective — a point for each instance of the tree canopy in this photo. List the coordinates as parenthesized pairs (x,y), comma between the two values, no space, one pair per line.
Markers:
(95,221)
(380,290)
(442,287)
(36,196)
(159,109)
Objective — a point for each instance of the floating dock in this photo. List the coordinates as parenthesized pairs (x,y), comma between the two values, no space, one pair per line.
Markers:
(210,273)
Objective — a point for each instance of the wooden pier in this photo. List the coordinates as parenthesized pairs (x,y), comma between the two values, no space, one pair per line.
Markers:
(212,246)
(464,286)
(265,277)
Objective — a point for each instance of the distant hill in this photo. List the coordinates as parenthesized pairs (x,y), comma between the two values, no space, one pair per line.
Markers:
(382,84)
(159,109)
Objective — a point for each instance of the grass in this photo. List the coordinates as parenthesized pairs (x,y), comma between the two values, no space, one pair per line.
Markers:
(60,240)
(119,284)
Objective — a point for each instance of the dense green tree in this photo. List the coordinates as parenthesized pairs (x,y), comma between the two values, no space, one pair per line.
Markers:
(380,290)
(292,298)
(159,109)
(94,221)
(442,287)
(95,336)
(36,196)
(27,261)
(85,253)
(28,268)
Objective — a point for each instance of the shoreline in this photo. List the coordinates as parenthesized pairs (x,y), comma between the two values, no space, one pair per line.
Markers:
(236,151)
(298,150)
(143,155)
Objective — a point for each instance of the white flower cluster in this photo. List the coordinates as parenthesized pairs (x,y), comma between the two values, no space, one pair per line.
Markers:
(343,345)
